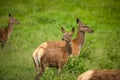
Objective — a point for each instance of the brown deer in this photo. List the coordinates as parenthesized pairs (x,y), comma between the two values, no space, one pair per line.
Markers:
(53,54)
(5,33)
(78,42)
(100,75)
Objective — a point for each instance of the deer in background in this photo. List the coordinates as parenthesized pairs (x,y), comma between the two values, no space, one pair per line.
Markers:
(5,33)
(100,75)
(53,54)
(78,42)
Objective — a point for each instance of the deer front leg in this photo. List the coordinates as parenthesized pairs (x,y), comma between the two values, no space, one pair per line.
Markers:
(9,43)
(2,45)
(59,70)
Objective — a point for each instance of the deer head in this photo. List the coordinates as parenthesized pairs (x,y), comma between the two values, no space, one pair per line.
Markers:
(67,36)
(83,27)
(13,20)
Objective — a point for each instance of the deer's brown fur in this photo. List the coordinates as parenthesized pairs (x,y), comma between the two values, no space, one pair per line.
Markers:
(54,55)
(5,33)
(78,42)
(100,75)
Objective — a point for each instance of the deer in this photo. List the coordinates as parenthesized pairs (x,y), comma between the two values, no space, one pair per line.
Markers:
(5,33)
(78,42)
(53,54)
(100,75)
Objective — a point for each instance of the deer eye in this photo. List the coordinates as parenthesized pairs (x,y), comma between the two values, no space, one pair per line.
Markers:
(70,35)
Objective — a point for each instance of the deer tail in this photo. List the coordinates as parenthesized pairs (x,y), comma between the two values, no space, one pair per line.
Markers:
(37,55)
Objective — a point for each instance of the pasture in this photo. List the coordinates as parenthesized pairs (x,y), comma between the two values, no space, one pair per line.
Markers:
(41,20)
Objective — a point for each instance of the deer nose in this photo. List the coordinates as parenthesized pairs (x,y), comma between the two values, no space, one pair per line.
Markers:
(63,39)
(92,31)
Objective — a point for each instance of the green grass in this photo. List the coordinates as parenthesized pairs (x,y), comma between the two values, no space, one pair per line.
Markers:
(41,21)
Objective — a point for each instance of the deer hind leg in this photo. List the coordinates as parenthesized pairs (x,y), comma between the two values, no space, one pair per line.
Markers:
(42,71)
(36,63)
(43,67)
(36,68)
(37,55)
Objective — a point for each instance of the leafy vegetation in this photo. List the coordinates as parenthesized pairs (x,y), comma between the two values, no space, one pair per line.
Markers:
(41,21)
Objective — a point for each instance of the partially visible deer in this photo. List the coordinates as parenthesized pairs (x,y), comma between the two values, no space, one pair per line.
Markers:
(53,54)
(100,75)
(5,33)
(78,42)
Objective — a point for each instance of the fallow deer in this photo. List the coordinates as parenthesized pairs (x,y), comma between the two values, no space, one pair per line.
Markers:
(53,55)
(5,33)
(100,75)
(78,42)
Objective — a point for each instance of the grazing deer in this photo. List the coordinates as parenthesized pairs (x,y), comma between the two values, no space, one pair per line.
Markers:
(5,33)
(77,43)
(53,54)
(100,75)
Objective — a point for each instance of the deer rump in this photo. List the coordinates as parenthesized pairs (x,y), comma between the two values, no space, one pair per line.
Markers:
(54,57)
(100,75)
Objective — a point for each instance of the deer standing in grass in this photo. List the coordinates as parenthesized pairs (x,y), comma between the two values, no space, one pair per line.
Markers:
(100,75)
(5,33)
(53,54)
(78,42)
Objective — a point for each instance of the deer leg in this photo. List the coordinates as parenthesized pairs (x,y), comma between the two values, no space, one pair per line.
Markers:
(43,67)
(42,71)
(59,68)
(3,44)
(37,70)
(37,77)
(9,43)
(36,66)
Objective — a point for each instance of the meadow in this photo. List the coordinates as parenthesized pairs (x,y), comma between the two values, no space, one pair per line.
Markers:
(41,20)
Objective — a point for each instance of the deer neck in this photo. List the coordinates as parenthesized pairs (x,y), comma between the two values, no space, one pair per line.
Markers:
(80,38)
(10,27)
(68,47)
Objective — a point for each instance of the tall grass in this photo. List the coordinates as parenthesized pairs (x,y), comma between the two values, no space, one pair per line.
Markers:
(40,21)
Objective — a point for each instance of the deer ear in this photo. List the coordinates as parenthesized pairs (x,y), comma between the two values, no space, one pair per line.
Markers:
(9,15)
(63,30)
(78,21)
(73,30)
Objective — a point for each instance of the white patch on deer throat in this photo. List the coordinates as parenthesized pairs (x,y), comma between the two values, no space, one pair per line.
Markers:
(80,46)
(86,75)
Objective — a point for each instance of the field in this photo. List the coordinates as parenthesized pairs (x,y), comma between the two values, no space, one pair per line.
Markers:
(41,20)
